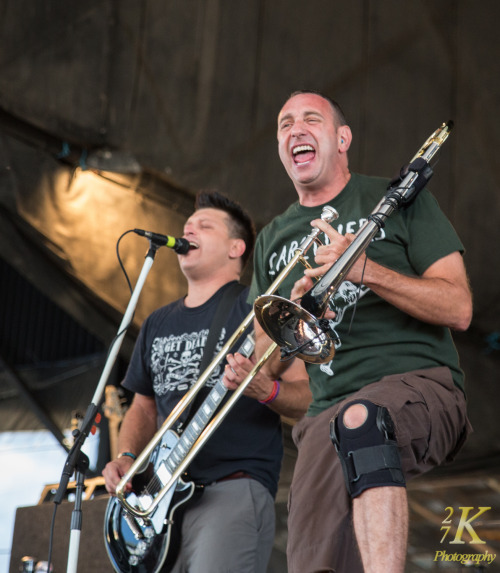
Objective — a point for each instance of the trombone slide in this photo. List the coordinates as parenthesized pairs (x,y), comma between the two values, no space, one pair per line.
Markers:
(169,479)
(328,214)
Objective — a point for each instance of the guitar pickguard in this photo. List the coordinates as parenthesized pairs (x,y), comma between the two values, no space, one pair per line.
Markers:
(137,545)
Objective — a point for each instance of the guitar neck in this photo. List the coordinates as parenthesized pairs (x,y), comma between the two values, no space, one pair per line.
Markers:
(204,414)
(196,426)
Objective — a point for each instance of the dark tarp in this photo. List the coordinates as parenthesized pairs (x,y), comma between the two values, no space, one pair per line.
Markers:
(113,113)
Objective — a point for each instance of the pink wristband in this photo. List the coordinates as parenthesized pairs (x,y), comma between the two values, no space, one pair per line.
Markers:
(273,395)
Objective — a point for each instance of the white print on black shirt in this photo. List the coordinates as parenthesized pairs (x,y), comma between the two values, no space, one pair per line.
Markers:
(175,361)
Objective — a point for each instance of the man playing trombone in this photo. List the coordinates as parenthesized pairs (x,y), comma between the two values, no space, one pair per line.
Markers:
(395,373)
(231,526)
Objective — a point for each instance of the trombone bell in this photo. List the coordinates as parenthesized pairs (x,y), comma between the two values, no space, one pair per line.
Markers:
(296,331)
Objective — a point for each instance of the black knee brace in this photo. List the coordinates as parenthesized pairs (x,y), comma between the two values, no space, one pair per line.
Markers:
(369,454)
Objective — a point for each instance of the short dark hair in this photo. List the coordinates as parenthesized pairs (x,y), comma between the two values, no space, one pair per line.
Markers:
(338,113)
(241,225)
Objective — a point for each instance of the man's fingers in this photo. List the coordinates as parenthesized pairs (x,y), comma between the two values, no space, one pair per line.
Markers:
(317,272)
(326,228)
(301,286)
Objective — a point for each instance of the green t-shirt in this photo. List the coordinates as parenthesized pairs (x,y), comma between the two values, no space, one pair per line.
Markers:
(381,340)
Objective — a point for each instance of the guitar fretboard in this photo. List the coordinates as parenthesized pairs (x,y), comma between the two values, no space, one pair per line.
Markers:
(204,414)
(196,426)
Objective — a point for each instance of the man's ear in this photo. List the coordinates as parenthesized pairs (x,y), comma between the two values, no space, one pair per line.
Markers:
(237,248)
(344,136)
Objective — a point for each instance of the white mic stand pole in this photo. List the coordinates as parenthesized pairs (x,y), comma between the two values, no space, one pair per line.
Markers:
(78,461)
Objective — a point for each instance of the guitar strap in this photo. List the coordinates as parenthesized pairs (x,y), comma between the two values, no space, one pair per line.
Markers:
(226,302)
(224,307)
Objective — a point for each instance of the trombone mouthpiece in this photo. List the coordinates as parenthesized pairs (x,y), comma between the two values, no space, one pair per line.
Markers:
(329,214)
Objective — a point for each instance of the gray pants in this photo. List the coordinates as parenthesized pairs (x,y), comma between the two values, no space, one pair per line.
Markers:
(229,530)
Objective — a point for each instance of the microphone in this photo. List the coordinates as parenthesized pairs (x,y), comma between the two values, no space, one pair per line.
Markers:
(180,246)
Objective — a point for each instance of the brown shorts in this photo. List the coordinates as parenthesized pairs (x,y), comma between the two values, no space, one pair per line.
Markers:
(429,413)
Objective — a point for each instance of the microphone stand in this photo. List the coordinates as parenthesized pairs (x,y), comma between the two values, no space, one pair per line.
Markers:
(77,461)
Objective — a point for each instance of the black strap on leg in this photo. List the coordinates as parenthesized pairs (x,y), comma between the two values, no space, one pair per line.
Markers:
(369,454)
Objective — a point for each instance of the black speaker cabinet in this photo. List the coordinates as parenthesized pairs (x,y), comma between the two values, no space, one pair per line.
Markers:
(32,531)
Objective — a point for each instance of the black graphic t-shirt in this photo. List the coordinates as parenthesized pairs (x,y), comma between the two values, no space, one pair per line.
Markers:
(374,338)
(165,364)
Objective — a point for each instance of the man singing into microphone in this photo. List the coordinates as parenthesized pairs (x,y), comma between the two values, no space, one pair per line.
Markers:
(231,526)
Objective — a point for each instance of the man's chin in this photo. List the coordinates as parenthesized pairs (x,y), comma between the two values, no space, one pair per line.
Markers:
(307,183)
(303,175)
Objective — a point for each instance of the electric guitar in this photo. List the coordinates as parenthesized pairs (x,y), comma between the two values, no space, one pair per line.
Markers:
(148,545)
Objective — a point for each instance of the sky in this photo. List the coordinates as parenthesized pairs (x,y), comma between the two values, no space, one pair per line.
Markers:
(30,461)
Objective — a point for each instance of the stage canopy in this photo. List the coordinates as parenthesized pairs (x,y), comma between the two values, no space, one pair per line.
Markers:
(113,114)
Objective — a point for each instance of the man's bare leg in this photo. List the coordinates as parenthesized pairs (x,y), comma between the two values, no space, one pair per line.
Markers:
(380,518)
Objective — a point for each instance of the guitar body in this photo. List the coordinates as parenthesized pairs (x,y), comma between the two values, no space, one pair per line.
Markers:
(136,545)
(150,545)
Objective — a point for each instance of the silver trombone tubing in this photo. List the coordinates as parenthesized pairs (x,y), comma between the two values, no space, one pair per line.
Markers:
(317,298)
(328,214)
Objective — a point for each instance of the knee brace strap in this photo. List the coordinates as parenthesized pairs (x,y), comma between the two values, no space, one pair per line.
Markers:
(368,454)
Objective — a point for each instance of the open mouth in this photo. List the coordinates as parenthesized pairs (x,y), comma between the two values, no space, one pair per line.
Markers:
(303,153)
(193,246)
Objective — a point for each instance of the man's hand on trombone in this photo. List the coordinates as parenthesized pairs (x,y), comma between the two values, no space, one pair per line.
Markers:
(329,253)
(303,285)
(237,369)
(289,395)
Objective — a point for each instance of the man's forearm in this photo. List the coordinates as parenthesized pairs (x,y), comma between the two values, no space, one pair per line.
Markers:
(137,429)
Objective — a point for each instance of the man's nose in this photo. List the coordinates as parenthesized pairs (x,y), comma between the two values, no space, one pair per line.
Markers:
(298,128)
(188,228)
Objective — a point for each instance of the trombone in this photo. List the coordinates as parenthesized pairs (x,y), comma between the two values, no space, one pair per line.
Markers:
(328,214)
(299,329)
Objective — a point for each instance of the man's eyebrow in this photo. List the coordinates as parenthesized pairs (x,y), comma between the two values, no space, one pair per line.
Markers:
(313,112)
(284,117)
(306,113)
(202,219)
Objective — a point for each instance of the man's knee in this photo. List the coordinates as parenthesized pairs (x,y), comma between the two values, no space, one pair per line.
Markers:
(364,437)
(355,415)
